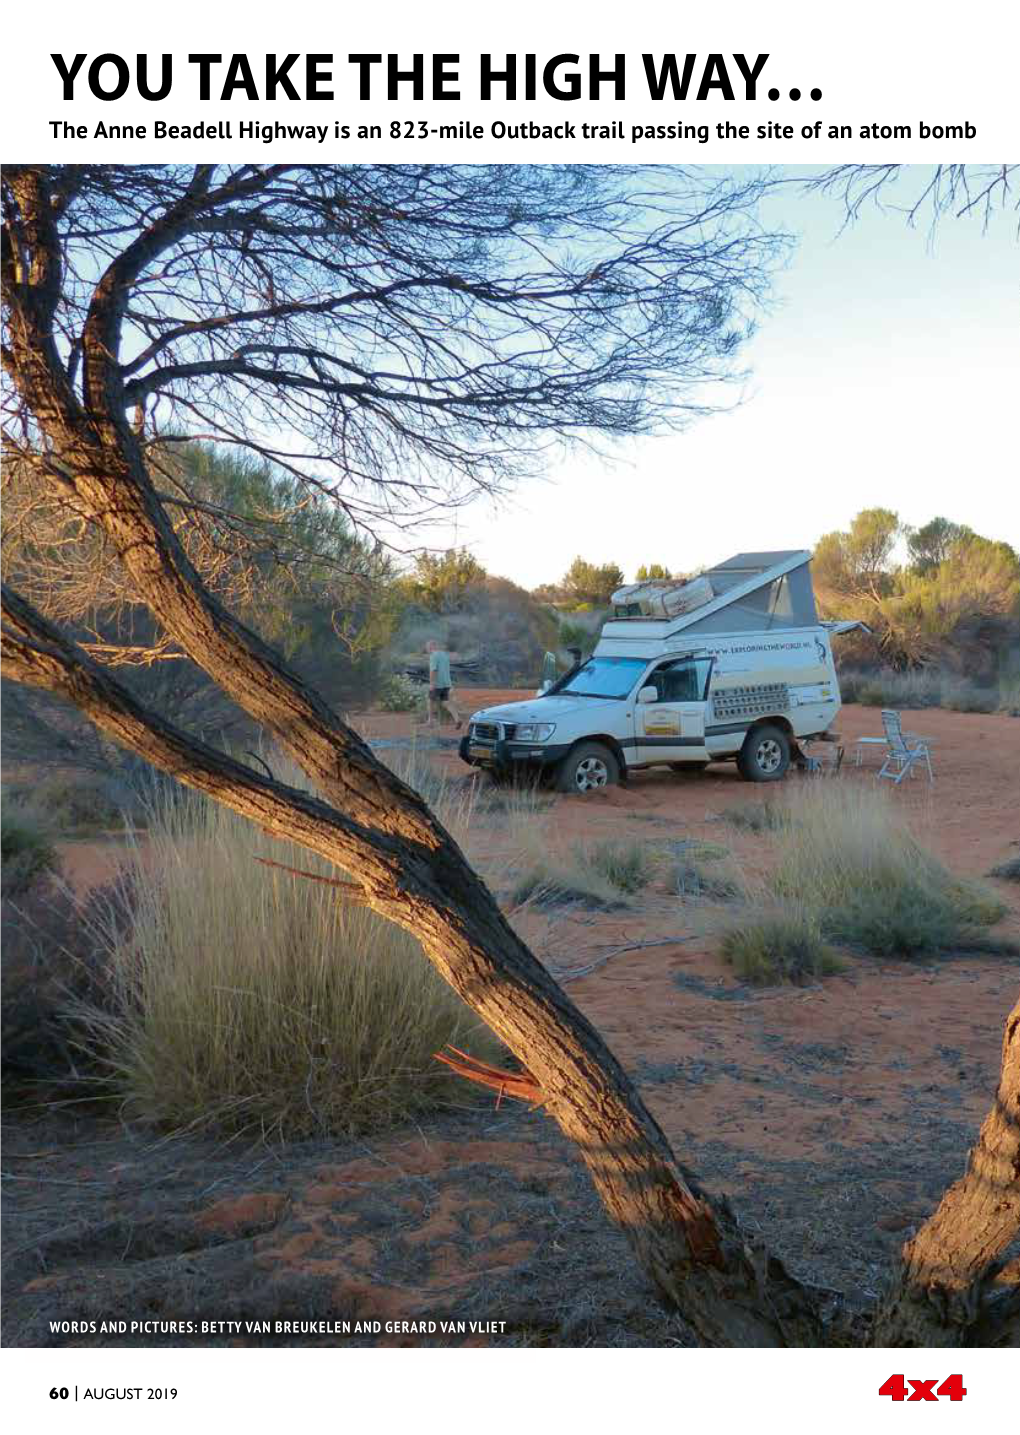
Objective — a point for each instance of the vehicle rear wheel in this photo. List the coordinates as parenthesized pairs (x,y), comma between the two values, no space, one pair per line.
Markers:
(588,766)
(687,766)
(765,755)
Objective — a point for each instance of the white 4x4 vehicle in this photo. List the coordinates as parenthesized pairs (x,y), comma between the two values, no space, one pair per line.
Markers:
(735,665)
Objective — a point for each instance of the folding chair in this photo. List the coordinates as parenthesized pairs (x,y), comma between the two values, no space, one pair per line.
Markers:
(906,750)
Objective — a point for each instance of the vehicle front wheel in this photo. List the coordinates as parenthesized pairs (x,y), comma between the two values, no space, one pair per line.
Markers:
(765,755)
(589,766)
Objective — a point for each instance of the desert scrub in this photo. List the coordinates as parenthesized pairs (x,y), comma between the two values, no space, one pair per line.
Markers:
(704,871)
(780,946)
(627,866)
(26,846)
(399,695)
(849,857)
(81,803)
(248,1000)
(594,874)
(757,817)
(925,688)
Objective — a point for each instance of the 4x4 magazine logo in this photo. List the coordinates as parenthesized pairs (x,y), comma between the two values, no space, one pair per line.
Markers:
(897,1388)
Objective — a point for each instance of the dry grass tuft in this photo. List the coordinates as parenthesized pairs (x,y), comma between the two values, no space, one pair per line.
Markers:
(704,871)
(599,875)
(245,999)
(848,856)
(757,817)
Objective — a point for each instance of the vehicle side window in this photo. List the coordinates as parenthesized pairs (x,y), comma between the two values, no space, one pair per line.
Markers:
(684,680)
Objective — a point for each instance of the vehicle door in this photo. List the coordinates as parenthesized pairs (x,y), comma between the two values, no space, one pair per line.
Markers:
(671,728)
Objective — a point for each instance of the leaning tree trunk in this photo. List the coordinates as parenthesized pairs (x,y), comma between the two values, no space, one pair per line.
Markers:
(948,1267)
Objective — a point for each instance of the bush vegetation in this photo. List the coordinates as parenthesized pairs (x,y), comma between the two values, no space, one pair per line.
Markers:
(706,872)
(398,694)
(757,816)
(928,688)
(594,874)
(850,859)
(780,946)
(26,845)
(248,1000)
(953,605)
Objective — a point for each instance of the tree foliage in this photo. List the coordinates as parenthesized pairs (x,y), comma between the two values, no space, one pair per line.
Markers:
(439,582)
(932,543)
(649,572)
(592,583)
(917,609)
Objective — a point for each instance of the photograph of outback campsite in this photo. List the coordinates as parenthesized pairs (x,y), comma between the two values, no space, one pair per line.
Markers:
(511,719)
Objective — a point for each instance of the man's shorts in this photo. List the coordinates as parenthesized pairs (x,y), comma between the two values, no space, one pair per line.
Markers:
(440,694)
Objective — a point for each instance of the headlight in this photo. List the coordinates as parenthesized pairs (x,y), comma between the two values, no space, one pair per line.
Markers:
(534,732)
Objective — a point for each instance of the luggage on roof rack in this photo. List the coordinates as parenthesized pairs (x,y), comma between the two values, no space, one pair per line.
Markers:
(662,598)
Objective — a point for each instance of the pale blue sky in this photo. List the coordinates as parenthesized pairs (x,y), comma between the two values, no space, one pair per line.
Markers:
(887,372)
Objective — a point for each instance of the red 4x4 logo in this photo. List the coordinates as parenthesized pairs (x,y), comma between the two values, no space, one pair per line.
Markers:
(896,1388)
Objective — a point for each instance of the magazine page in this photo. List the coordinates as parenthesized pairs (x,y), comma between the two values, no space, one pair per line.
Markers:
(511,680)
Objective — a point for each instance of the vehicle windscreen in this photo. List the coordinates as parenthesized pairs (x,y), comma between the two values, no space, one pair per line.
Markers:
(605,678)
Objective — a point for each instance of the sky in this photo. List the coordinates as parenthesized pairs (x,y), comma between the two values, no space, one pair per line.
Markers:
(886,372)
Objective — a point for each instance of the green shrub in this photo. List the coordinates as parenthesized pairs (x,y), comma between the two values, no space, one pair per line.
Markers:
(398,694)
(243,998)
(627,866)
(850,858)
(26,846)
(781,946)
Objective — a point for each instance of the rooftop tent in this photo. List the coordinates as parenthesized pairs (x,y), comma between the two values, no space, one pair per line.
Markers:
(757,593)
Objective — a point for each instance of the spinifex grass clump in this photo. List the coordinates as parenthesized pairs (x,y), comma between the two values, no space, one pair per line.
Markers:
(627,866)
(850,858)
(247,999)
(706,872)
(781,946)
(594,874)
(757,816)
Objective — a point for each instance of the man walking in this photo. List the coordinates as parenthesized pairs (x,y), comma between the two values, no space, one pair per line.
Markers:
(440,685)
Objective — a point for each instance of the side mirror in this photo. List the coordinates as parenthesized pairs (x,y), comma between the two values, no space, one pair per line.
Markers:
(648,695)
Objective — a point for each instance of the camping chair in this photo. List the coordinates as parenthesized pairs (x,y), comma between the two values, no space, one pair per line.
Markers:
(906,750)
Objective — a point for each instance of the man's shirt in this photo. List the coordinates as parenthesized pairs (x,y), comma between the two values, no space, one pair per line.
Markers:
(439,670)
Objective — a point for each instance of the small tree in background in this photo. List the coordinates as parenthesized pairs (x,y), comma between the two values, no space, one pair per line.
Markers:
(932,543)
(439,581)
(920,612)
(650,572)
(591,583)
